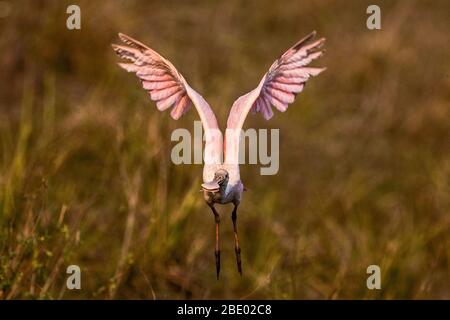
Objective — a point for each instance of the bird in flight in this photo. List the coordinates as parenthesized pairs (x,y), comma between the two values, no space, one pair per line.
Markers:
(286,77)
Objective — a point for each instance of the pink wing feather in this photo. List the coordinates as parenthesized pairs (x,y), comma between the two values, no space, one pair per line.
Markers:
(278,87)
(168,88)
(160,78)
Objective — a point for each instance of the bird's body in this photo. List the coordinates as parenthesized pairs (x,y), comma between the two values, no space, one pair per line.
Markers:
(168,88)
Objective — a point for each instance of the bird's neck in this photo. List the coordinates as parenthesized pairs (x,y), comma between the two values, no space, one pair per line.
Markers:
(220,195)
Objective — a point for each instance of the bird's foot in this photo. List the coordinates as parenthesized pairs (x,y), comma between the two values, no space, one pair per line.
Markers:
(238,260)
(217,254)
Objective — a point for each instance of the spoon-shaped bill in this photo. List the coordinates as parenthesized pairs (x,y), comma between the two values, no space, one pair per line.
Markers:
(212,186)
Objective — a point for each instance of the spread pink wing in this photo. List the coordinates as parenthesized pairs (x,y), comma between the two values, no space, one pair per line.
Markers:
(169,89)
(278,87)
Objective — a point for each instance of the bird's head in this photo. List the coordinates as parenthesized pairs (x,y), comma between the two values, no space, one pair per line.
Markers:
(220,181)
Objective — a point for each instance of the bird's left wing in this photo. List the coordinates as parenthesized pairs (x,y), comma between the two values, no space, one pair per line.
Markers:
(278,87)
(167,87)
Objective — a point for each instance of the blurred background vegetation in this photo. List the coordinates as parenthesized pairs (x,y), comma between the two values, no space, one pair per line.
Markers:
(86,176)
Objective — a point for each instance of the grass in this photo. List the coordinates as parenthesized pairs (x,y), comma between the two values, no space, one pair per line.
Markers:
(86,177)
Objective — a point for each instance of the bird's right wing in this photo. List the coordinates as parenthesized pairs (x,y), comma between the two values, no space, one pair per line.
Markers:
(278,87)
(168,88)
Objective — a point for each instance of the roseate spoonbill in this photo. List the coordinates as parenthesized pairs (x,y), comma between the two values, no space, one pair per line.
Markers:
(168,88)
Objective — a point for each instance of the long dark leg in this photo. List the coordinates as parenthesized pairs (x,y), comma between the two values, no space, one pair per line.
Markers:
(217,250)
(237,249)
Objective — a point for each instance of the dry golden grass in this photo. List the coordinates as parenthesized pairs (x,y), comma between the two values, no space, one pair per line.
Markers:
(86,177)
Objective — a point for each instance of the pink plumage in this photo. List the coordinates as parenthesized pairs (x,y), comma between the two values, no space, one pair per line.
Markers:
(167,87)
(159,77)
(278,87)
